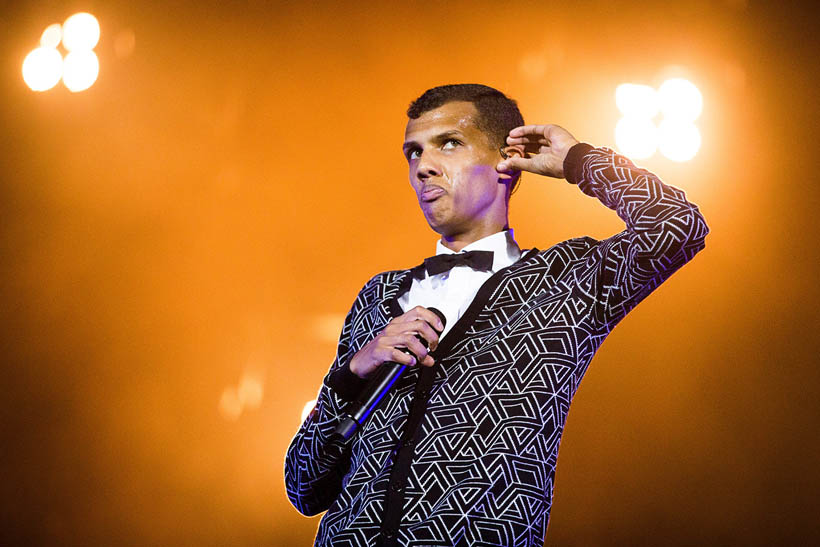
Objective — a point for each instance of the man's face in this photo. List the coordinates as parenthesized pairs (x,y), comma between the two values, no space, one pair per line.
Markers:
(452,170)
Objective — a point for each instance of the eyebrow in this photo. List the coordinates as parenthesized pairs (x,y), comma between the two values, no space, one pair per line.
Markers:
(438,138)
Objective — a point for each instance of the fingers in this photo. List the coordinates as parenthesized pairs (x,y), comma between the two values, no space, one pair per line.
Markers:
(543,135)
(427,332)
(420,312)
(401,337)
(416,314)
(418,327)
(398,339)
(398,356)
(523,130)
(516,163)
(422,328)
(414,345)
(399,348)
(529,139)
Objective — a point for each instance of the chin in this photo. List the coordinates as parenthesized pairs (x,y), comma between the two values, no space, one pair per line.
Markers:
(435,226)
(435,211)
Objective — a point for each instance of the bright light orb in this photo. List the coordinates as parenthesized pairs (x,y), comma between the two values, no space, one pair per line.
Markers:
(635,100)
(80,70)
(51,36)
(678,141)
(229,404)
(42,68)
(250,391)
(680,100)
(81,31)
(636,137)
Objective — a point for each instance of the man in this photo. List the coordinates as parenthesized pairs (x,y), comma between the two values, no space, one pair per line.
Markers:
(462,451)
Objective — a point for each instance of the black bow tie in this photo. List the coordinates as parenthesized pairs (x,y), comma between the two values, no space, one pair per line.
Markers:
(477,260)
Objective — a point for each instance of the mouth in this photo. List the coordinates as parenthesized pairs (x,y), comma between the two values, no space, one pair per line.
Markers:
(431,194)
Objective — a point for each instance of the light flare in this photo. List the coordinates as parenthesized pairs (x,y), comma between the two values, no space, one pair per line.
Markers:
(52,36)
(80,70)
(230,407)
(250,391)
(677,140)
(637,101)
(680,100)
(81,31)
(42,68)
(636,137)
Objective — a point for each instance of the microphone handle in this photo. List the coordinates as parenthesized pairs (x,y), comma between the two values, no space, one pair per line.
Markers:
(356,413)
(387,375)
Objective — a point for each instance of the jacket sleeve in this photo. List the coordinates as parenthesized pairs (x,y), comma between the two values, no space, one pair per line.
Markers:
(316,461)
(663,229)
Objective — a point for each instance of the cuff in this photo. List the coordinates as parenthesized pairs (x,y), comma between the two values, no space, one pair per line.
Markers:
(345,383)
(574,162)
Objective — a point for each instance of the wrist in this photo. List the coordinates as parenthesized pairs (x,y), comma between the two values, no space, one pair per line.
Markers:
(354,368)
(346,383)
(574,160)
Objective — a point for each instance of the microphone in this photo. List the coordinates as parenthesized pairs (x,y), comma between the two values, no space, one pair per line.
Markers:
(387,374)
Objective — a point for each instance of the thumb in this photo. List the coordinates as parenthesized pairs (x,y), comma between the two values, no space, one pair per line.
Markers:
(514,163)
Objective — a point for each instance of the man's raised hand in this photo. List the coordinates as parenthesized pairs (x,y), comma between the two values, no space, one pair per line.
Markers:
(544,147)
(399,333)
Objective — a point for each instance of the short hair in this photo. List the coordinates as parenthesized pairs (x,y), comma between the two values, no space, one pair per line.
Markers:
(497,113)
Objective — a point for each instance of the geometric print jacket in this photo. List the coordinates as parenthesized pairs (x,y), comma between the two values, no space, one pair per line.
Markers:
(464,452)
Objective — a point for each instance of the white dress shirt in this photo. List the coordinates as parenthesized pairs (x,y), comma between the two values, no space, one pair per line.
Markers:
(452,292)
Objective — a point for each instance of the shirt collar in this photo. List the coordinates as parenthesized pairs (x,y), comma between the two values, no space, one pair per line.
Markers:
(502,244)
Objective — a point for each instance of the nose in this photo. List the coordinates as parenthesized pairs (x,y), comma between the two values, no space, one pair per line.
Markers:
(427,167)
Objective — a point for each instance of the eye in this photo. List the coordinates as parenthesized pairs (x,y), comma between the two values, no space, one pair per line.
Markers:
(412,153)
(451,143)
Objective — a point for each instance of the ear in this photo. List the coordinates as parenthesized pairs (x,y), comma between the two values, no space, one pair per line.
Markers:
(507,152)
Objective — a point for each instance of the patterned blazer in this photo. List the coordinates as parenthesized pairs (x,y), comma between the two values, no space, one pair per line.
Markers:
(464,452)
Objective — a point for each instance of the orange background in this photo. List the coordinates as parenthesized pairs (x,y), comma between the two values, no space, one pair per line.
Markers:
(208,210)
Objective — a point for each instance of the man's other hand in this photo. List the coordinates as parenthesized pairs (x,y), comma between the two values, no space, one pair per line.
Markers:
(544,146)
(399,333)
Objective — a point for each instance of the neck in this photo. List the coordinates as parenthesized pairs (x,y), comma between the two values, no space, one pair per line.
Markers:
(456,242)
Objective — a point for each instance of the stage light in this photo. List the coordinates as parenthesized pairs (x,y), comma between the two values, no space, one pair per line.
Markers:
(636,101)
(680,100)
(42,68)
(678,141)
(80,70)
(124,43)
(327,326)
(229,404)
(51,36)
(81,31)
(636,137)
(308,408)
(250,391)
